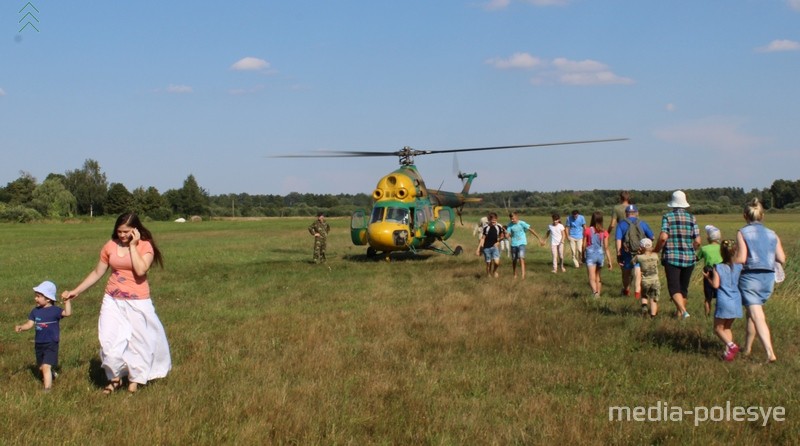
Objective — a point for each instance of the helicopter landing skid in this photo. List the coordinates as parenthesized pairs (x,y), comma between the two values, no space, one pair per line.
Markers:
(449,251)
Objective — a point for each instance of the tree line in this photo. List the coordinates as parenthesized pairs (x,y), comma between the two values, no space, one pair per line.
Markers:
(87,192)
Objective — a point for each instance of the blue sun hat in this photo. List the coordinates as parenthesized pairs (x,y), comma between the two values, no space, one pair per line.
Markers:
(46,289)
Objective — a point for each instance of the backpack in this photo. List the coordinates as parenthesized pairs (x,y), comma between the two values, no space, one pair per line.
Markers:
(632,237)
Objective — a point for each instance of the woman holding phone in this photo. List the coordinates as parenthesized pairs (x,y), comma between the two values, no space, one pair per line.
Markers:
(132,340)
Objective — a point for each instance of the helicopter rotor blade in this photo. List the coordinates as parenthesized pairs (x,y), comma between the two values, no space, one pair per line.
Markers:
(408,153)
(562,143)
(334,154)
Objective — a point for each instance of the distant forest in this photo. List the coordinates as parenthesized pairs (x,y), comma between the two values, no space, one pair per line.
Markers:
(87,192)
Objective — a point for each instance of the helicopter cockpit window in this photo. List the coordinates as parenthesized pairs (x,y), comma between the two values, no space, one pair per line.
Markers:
(377,215)
(399,215)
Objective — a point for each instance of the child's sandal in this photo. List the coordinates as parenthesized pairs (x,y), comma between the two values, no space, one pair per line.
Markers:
(112,386)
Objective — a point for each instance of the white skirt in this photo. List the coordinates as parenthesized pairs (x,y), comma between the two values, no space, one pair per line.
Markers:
(132,340)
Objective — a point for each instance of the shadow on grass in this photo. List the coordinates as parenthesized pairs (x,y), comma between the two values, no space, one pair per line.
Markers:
(406,256)
(681,339)
(97,376)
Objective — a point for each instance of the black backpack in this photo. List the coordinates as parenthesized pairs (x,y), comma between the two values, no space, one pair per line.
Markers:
(632,237)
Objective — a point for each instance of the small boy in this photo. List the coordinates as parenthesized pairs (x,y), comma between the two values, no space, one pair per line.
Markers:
(45,317)
(710,254)
(558,235)
(647,276)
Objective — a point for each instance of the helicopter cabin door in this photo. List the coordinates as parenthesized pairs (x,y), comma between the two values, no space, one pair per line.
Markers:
(358,227)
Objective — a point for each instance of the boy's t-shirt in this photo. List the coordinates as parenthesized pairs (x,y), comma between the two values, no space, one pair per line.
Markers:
(45,321)
(649,266)
(710,254)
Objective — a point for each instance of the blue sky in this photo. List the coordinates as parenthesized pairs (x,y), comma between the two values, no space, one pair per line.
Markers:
(154,91)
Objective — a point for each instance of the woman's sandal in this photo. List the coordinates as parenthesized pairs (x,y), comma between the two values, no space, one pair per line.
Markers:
(112,386)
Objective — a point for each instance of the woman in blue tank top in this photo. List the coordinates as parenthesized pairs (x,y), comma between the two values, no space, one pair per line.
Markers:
(759,249)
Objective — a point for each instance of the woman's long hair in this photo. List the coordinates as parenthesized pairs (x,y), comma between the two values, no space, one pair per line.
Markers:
(597,221)
(132,220)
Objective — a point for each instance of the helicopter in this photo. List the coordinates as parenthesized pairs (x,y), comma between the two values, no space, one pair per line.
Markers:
(406,215)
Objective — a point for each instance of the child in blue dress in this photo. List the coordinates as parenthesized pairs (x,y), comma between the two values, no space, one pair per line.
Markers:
(45,317)
(725,279)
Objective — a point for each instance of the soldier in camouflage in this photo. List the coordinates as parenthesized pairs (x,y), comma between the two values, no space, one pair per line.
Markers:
(319,229)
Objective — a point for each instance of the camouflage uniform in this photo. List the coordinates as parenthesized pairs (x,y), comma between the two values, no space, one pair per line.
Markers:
(321,228)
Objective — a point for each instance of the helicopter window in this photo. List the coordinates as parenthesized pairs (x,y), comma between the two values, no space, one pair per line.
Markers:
(399,215)
(377,215)
(419,217)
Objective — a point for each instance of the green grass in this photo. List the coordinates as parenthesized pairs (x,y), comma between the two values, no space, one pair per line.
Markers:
(268,348)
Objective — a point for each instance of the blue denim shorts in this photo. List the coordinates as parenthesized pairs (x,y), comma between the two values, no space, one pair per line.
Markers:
(491,253)
(518,252)
(756,287)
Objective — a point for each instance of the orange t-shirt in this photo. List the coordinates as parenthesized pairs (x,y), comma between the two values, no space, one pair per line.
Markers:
(123,284)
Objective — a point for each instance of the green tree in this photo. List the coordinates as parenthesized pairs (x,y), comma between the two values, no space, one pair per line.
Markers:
(53,200)
(118,199)
(20,191)
(89,186)
(188,200)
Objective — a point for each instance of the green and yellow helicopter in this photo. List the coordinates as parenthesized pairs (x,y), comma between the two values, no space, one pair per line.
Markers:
(406,215)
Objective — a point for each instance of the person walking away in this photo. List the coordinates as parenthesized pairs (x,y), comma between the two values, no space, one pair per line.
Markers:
(760,252)
(596,248)
(649,283)
(725,279)
(320,229)
(711,256)
(630,231)
(46,318)
(679,239)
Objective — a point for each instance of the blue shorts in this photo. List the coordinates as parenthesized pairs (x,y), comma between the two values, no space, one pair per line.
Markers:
(491,253)
(595,258)
(626,260)
(756,287)
(518,252)
(46,353)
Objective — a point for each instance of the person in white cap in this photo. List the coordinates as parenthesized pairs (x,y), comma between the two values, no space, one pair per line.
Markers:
(46,317)
(679,239)
(710,255)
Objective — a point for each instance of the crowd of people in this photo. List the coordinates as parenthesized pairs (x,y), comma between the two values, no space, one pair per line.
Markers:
(737,273)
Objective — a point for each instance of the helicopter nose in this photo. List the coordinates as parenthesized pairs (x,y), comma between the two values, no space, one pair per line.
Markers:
(388,236)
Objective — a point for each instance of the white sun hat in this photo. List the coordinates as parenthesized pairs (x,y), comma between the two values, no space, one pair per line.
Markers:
(678,200)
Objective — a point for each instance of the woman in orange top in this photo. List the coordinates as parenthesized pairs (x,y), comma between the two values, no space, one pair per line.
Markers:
(132,340)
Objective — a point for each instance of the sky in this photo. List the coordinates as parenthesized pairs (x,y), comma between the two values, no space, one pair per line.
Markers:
(706,91)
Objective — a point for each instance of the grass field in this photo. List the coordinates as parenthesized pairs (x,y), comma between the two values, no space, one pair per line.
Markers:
(268,348)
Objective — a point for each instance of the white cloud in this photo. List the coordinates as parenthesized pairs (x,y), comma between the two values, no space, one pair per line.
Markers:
(561,70)
(2,92)
(494,5)
(723,134)
(517,60)
(179,89)
(250,64)
(794,4)
(593,78)
(780,45)
(671,107)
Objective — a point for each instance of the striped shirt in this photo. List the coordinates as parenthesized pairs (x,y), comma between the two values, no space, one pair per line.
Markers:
(681,228)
